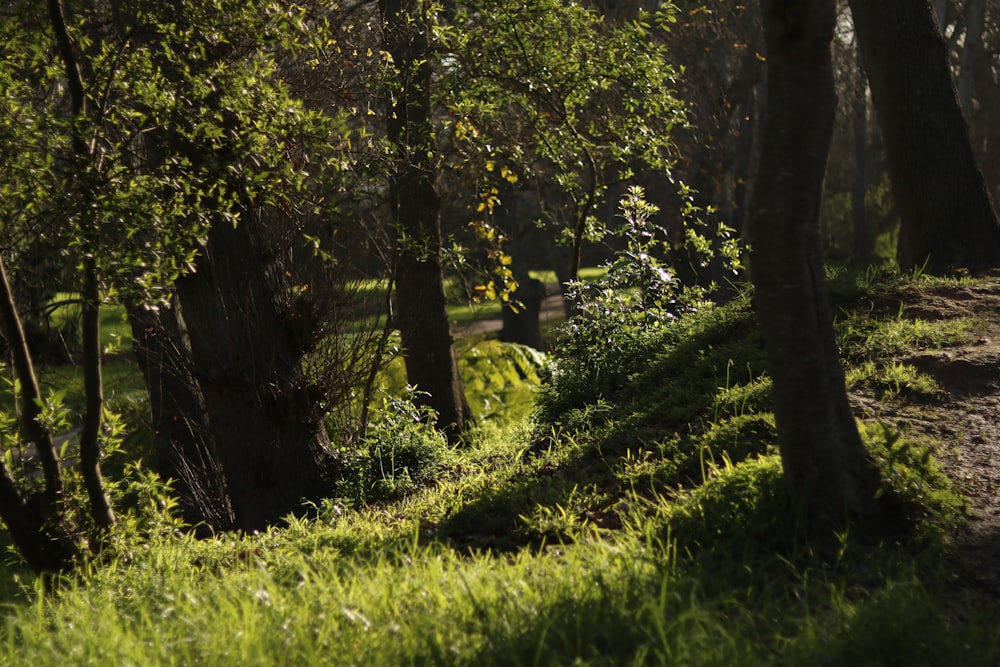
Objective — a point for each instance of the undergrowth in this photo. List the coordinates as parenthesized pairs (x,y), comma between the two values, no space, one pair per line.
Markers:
(639,517)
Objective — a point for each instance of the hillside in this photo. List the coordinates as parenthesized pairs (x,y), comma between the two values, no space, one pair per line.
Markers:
(639,517)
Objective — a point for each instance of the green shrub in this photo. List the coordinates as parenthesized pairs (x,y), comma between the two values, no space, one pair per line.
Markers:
(401,452)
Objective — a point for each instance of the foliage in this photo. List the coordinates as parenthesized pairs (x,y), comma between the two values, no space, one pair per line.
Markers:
(546,96)
(400,453)
(641,290)
(500,379)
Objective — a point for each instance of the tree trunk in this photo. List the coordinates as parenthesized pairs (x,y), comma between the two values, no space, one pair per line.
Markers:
(90,433)
(947,220)
(941,12)
(863,249)
(431,365)
(34,525)
(90,455)
(972,51)
(185,448)
(825,462)
(247,343)
(31,396)
(36,530)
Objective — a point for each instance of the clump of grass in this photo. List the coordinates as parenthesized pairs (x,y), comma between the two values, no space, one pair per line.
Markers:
(863,337)
(893,380)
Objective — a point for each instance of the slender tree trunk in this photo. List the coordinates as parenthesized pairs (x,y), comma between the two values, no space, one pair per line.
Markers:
(859,188)
(428,349)
(185,447)
(825,462)
(90,434)
(947,220)
(972,51)
(100,505)
(35,525)
(31,396)
(247,343)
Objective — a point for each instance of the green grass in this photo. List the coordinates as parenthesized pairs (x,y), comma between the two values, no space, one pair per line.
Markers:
(639,517)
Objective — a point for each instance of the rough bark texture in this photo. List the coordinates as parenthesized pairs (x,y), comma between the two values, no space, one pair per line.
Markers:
(248,338)
(184,444)
(825,462)
(431,365)
(946,213)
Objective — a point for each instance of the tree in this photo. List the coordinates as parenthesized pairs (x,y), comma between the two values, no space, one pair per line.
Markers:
(547,98)
(825,462)
(947,219)
(415,208)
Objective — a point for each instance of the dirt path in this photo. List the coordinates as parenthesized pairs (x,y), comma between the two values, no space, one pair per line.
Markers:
(967,424)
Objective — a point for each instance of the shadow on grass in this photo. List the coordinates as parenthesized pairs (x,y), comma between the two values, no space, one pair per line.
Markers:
(657,425)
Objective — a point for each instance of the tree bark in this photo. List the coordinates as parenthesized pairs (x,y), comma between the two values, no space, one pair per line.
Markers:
(825,463)
(31,396)
(972,51)
(186,450)
(947,220)
(90,433)
(428,350)
(247,342)
(36,530)
(859,187)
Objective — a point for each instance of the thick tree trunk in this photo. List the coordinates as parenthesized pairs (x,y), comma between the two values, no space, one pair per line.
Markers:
(947,220)
(248,339)
(825,462)
(184,444)
(429,353)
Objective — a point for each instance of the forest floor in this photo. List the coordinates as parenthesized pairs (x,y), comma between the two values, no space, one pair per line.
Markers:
(966,422)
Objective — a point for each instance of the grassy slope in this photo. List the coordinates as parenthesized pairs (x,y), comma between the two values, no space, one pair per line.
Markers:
(640,519)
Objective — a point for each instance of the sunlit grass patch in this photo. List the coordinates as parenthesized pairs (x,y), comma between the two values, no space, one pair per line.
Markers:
(895,380)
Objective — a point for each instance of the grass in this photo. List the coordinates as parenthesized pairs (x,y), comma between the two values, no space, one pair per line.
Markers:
(639,517)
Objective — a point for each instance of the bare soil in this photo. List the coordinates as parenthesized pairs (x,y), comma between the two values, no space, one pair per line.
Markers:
(966,423)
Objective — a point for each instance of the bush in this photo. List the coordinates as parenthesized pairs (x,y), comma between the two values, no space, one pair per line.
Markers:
(401,452)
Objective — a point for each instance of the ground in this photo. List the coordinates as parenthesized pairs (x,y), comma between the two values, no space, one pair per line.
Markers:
(966,423)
